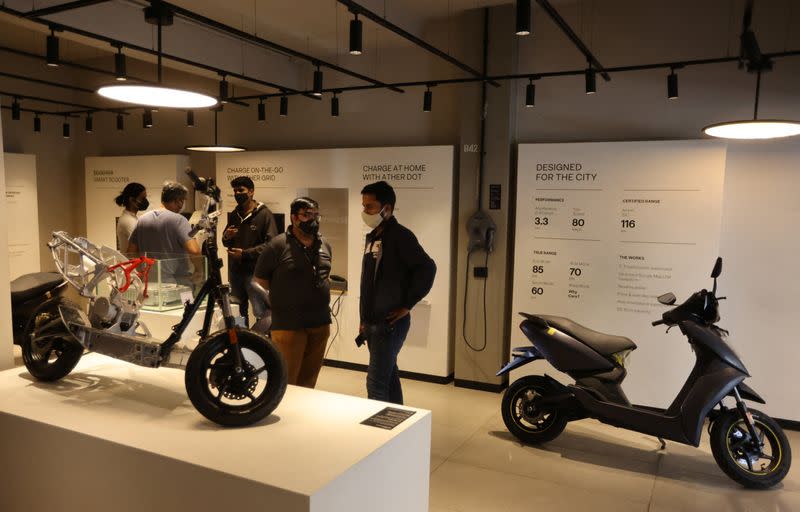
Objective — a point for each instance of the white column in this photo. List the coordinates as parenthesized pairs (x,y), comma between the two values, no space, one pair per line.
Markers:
(6,334)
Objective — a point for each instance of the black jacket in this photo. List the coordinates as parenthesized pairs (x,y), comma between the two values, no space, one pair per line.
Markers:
(399,278)
(255,230)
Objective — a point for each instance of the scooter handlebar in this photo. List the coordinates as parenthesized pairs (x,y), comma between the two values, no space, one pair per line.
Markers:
(658,322)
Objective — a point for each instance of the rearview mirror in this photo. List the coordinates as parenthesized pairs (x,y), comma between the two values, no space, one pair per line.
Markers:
(717,269)
(667,299)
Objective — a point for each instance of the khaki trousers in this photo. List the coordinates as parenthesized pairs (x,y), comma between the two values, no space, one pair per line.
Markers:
(303,351)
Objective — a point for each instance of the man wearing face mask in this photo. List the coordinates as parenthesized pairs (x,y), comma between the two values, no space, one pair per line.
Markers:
(396,273)
(250,226)
(295,267)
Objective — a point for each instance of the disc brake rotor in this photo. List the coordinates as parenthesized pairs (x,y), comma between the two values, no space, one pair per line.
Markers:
(235,387)
(529,412)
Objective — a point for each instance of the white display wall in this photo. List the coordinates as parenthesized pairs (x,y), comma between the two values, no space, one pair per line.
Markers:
(602,229)
(23,206)
(107,176)
(6,346)
(423,180)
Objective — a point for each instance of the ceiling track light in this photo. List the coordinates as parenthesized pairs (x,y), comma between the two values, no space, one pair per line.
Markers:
(52,50)
(37,123)
(223,90)
(755,129)
(147,118)
(89,123)
(317,90)
(262,110)
(672,85)
(530,94)
(16,111)
(190,118)
(591,80)
(335,106)
(523,17)
(427,100)
(284,106)
(356,33)
(120,122)
(120,66)
(65,128)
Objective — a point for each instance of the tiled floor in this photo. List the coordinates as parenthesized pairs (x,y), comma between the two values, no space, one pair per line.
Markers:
(476,465)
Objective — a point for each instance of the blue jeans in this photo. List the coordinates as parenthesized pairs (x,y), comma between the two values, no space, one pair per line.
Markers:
(244,291)
(383,377)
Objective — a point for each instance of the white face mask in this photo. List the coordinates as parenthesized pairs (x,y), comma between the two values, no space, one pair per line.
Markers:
(373,220)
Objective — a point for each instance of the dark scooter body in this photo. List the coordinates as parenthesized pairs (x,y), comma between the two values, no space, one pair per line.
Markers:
(28,292)
(537,408)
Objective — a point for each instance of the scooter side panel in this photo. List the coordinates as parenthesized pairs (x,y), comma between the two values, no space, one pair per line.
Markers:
(705,394)
(564,352)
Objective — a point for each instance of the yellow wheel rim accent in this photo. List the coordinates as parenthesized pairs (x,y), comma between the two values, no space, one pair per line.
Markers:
(764,427)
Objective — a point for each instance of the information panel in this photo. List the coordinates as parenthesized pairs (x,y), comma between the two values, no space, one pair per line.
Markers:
(602,229)
(22,206)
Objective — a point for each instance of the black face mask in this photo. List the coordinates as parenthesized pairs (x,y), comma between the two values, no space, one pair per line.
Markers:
(143,204)
(309,227)
(241,198)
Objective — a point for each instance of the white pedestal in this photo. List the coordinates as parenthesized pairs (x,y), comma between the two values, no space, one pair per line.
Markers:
(113,436)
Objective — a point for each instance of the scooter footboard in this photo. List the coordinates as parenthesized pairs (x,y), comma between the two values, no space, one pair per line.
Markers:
(632,418)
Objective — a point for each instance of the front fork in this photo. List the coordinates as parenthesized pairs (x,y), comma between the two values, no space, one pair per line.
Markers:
(748,418)
(230,325)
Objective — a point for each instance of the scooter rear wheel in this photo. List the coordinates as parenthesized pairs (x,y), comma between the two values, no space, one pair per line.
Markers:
(228,398)
(48,349)
(528,423)
(744,461)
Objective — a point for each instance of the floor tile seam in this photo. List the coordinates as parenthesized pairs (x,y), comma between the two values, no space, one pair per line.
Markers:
(461,444)
(659,462)
(545,480)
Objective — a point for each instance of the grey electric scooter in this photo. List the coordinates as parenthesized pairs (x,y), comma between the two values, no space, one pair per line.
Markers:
(749,446)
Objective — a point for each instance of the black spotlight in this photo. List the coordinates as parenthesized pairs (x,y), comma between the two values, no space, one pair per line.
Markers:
(262,110)
(284,106)
(120,66)
(15,110)
(591,80)
(89,123)
(427,101)
(335,106)
(672,85)
(147,118)
(190,118)
(37,123)
(523,17)
(223,90)
(356,31)
(52,50)
(65,128)
(317,91)
(530,94)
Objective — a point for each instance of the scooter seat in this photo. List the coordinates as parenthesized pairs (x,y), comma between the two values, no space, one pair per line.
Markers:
(603,344)
(29,286)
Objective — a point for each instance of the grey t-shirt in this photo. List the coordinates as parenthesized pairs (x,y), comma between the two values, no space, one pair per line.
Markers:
(162,234)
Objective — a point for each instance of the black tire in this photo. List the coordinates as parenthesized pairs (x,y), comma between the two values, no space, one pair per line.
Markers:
(49,351)
(216,392)
(526,423)
(729,444)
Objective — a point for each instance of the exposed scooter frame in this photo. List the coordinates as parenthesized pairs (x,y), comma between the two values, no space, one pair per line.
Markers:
(748,445)
(224,384)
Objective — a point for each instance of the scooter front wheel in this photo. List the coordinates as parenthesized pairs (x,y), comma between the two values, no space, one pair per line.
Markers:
(528,423)
(48,349)
(755,463)
(229,398)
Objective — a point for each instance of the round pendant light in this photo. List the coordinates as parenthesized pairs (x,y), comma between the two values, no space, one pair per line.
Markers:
(754,129)
(215,148)
(157,96)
